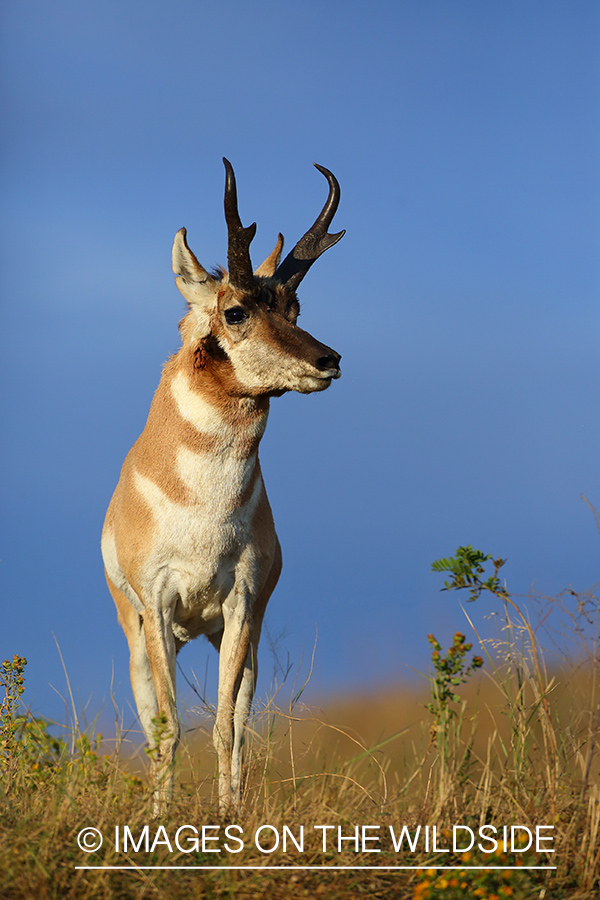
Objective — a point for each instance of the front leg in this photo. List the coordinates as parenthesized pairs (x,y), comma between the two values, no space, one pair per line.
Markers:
(233,654)
(152,669)
(248,683)
(161,651)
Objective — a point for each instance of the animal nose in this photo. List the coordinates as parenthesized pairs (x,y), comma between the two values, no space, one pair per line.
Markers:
(332,361)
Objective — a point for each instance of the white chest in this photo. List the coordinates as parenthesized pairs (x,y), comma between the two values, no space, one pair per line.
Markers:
(199,547)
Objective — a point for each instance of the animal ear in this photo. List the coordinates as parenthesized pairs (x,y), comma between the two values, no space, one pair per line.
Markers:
(194,282)
(267,268)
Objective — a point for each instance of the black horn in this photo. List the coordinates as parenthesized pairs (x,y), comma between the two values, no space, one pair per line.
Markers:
(316,240)
(239,238)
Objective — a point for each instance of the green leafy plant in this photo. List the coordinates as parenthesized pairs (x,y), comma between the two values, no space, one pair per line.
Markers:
(12,680)
(30,753)
(526,673)
(447,707)
(466,568)
(451,670)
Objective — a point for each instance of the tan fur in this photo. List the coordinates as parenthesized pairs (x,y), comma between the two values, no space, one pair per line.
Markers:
(267,268)
(189,542)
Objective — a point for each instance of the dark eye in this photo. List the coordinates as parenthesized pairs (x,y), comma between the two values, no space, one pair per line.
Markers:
(235,315)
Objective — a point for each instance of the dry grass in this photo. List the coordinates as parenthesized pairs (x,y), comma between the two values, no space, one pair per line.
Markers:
(519,747)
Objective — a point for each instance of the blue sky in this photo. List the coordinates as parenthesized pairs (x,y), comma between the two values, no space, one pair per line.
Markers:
(463,299)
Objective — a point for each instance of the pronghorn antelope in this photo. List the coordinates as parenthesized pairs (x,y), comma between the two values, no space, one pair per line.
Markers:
(189,543)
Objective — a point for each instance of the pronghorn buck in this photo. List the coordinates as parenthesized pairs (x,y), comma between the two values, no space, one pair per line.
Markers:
(189,543)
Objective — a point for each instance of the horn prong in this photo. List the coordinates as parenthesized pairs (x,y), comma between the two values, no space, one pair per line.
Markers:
(316,240)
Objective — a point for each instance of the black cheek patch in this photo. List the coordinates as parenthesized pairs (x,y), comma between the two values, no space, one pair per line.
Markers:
(292,312)
(214,349)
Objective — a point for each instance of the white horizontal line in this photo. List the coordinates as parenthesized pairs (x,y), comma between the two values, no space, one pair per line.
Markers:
(320,868)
